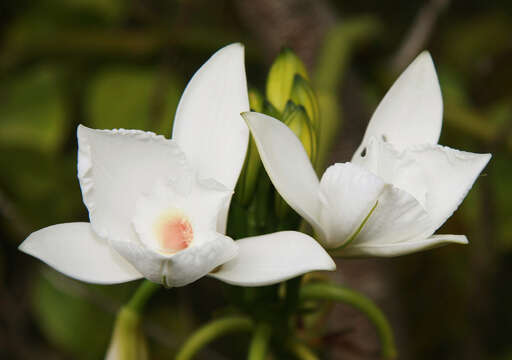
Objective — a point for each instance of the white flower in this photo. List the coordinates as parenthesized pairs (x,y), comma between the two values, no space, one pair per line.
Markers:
(158,207)
(400,186)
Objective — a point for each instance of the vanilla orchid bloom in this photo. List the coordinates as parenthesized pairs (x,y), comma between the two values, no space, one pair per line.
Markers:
(158,207)
(400,186)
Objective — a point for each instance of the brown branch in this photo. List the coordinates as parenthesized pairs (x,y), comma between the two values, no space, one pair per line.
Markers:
(419,34)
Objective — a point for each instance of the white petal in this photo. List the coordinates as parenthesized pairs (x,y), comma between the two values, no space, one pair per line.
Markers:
(411,111)
(450,174)
(208,126)
(75,250)
(115,167)
(401,248)
(399,168)
(348,193)
(208,251)
(272,258)
(360,208)
(199,207)
(397,217)
(189,265)
(288,166)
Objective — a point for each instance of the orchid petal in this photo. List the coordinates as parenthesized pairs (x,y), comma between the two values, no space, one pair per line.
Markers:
(397,217)
(399,168)
(115,167)
(196,209)
(288,166)
(272,258)
(450,174)
(189,265)
(401,248)
(208,251)
(75,250)
(348,193)
(208,126)
(199,207)
(360,208)
(411,111)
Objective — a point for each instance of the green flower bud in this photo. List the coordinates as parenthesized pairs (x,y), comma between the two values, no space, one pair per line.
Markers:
(297,119)
(249,176)
(271,110)
(255,100)
(280,77)
(302,94)
(128,342)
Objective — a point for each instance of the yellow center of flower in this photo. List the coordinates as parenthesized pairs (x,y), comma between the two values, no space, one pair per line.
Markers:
(174,232)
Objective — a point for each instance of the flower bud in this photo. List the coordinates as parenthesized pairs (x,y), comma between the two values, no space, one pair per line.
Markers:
(280,77)
(271,110)
(302,94)
(128,342)
(296,118)
(249,176)
(255,100)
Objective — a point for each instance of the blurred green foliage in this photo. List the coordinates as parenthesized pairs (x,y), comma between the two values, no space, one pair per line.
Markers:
(121,63)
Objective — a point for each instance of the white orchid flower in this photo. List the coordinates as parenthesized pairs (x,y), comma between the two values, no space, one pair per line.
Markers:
(158,207)
(400,186)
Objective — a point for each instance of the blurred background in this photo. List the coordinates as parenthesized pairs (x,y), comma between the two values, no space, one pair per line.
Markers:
(124,63)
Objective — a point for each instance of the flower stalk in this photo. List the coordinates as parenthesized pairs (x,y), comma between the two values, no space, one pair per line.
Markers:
(260,342)
(212,331)
(141,296)
(331,292)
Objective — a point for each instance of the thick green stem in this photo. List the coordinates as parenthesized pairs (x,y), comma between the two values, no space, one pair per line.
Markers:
(325,291)
(142,295)
(210,332)
(301,351)
(259,343)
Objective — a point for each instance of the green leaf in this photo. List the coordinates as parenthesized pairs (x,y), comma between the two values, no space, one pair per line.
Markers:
(133,98)
(32,111)
(73,315)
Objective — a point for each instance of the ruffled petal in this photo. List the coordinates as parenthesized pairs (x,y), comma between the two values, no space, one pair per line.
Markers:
(288,166)
(115,167)
(449,174)
(399,168)
(208,126)
(208,251)
(348,194)
(272,258)
(401,248)
(166,208)
(411,111)
(76,251)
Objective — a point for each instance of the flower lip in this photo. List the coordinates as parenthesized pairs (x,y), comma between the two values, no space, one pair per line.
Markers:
(173,231)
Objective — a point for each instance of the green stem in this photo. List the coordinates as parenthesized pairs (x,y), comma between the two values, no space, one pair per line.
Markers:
(292,294)
(325,291)
(301,351)
(259,343)
(142,295)
(210,332)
